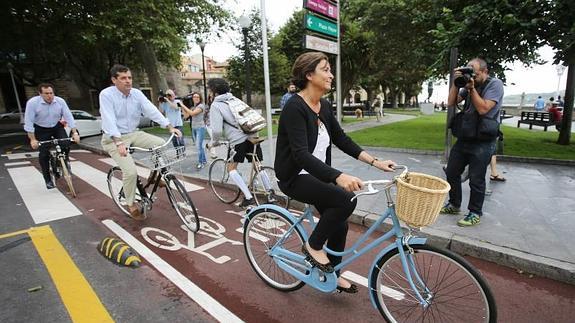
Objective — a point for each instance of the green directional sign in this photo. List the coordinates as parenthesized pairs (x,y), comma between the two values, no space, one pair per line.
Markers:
(320,25)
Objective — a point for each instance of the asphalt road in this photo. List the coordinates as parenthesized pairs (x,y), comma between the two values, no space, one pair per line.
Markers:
(180,268)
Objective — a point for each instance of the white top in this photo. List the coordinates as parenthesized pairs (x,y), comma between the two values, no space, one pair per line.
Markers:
(321,145)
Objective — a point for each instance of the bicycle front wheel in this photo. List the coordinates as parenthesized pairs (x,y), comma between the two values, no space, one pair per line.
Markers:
(182,203)
(67,176)
(221,183)
(263,230)
(265,188)
(456,291)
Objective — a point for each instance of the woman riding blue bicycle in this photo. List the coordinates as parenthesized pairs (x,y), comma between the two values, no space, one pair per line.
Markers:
(307,127)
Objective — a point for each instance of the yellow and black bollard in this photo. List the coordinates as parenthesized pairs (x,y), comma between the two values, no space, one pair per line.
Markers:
(118,252)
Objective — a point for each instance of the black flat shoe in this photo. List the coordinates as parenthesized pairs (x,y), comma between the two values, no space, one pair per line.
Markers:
(326,268)
(350,290)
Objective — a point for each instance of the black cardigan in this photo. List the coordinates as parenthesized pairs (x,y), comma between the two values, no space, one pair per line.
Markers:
(297,137)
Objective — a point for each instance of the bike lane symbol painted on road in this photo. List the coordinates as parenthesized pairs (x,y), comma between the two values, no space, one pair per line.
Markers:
(208,227)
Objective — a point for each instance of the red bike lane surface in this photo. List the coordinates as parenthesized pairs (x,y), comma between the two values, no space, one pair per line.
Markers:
(215,260)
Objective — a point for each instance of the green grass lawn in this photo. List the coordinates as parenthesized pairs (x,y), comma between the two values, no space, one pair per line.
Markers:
(428,133)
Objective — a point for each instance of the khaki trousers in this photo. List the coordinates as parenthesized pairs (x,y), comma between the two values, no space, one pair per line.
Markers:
(126,164)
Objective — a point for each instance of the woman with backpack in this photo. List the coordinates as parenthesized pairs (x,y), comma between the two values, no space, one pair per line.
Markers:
(225,126)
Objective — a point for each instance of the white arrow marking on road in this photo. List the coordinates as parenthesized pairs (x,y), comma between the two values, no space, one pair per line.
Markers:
(44,205)
(415,159)
(144,172)
(390,292)
(208,303)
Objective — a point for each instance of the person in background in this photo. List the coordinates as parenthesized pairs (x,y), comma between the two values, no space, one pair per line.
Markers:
(172,109)
(560,102)
(42,122)
(484,95)
(197,114)
(290,92)
(549,104)
(539,104)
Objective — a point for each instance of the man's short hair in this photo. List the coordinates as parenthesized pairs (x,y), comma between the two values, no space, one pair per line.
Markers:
(481,61)
(45,85)
(218,86)
(118,68)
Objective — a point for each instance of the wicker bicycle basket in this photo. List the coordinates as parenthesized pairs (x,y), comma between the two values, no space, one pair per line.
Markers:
(420,198)
(166,156)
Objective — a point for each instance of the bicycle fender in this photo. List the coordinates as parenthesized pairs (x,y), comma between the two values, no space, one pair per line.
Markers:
(412,241)
(288,214)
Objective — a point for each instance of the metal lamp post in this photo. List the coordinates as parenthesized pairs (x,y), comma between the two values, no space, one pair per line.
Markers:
(560,69)
(202,47)
(245,25)
(10,68)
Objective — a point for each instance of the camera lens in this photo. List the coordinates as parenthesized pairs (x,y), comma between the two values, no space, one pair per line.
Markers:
(461,80)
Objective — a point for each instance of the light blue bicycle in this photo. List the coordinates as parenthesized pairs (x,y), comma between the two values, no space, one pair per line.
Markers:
(409,281)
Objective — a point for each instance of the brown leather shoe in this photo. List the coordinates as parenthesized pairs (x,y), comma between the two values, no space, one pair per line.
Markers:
(136,214)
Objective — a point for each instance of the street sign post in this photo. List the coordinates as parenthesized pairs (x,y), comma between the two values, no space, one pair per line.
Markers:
(321,44)
(320,25)
(322,7)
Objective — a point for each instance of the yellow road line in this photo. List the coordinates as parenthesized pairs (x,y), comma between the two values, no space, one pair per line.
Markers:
(80,300)
(11,234)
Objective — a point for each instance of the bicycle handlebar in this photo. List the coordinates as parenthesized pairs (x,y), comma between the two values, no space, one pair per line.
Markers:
(54,141)
(386,182)
(131,149)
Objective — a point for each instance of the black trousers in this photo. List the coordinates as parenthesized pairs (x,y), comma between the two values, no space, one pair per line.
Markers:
(333,203)
(42,134)
(477,155)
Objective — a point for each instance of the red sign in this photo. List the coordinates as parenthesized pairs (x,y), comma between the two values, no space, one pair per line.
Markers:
(322,7)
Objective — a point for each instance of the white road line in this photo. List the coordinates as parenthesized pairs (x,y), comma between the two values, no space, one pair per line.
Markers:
(144,172)
(17,163)
(92,176)
(209,304)
(390,292)
(34,154)
(44,205)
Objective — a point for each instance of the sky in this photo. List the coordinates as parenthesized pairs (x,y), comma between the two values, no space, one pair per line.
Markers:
(539,78)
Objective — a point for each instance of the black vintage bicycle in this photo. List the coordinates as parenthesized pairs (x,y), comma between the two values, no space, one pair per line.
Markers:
(59,164)
(161,158)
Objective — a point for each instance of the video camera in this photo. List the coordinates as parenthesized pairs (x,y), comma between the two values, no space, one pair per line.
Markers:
(162,96)
(467,73)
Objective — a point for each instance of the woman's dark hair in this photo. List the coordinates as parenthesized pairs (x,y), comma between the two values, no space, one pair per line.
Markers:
(198,94)
(118,68)
(218,86)
(305,64)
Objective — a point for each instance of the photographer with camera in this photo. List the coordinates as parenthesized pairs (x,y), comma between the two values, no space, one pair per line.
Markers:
(476,128)
(172,109)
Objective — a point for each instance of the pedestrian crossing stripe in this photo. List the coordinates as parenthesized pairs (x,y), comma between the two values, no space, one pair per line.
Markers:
(119,252)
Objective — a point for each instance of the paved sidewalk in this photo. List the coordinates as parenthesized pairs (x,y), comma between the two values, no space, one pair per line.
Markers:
(527,220)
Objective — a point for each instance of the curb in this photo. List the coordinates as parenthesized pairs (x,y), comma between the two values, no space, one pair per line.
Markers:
(530,263)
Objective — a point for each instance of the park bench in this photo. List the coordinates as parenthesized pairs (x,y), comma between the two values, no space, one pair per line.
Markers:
(541,119)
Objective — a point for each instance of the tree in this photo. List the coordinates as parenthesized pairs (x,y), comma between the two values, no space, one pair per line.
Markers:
(50,37)
(561,36)
(279,65)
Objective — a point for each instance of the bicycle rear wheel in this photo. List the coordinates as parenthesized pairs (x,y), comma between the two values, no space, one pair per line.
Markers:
(116,188)
(262,195)
(67,176)
(457,291)
(221,183)
(182,203)
(262,232)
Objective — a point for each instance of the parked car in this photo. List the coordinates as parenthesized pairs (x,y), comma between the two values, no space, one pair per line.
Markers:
(87,124)
(145,122)
(15,114)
